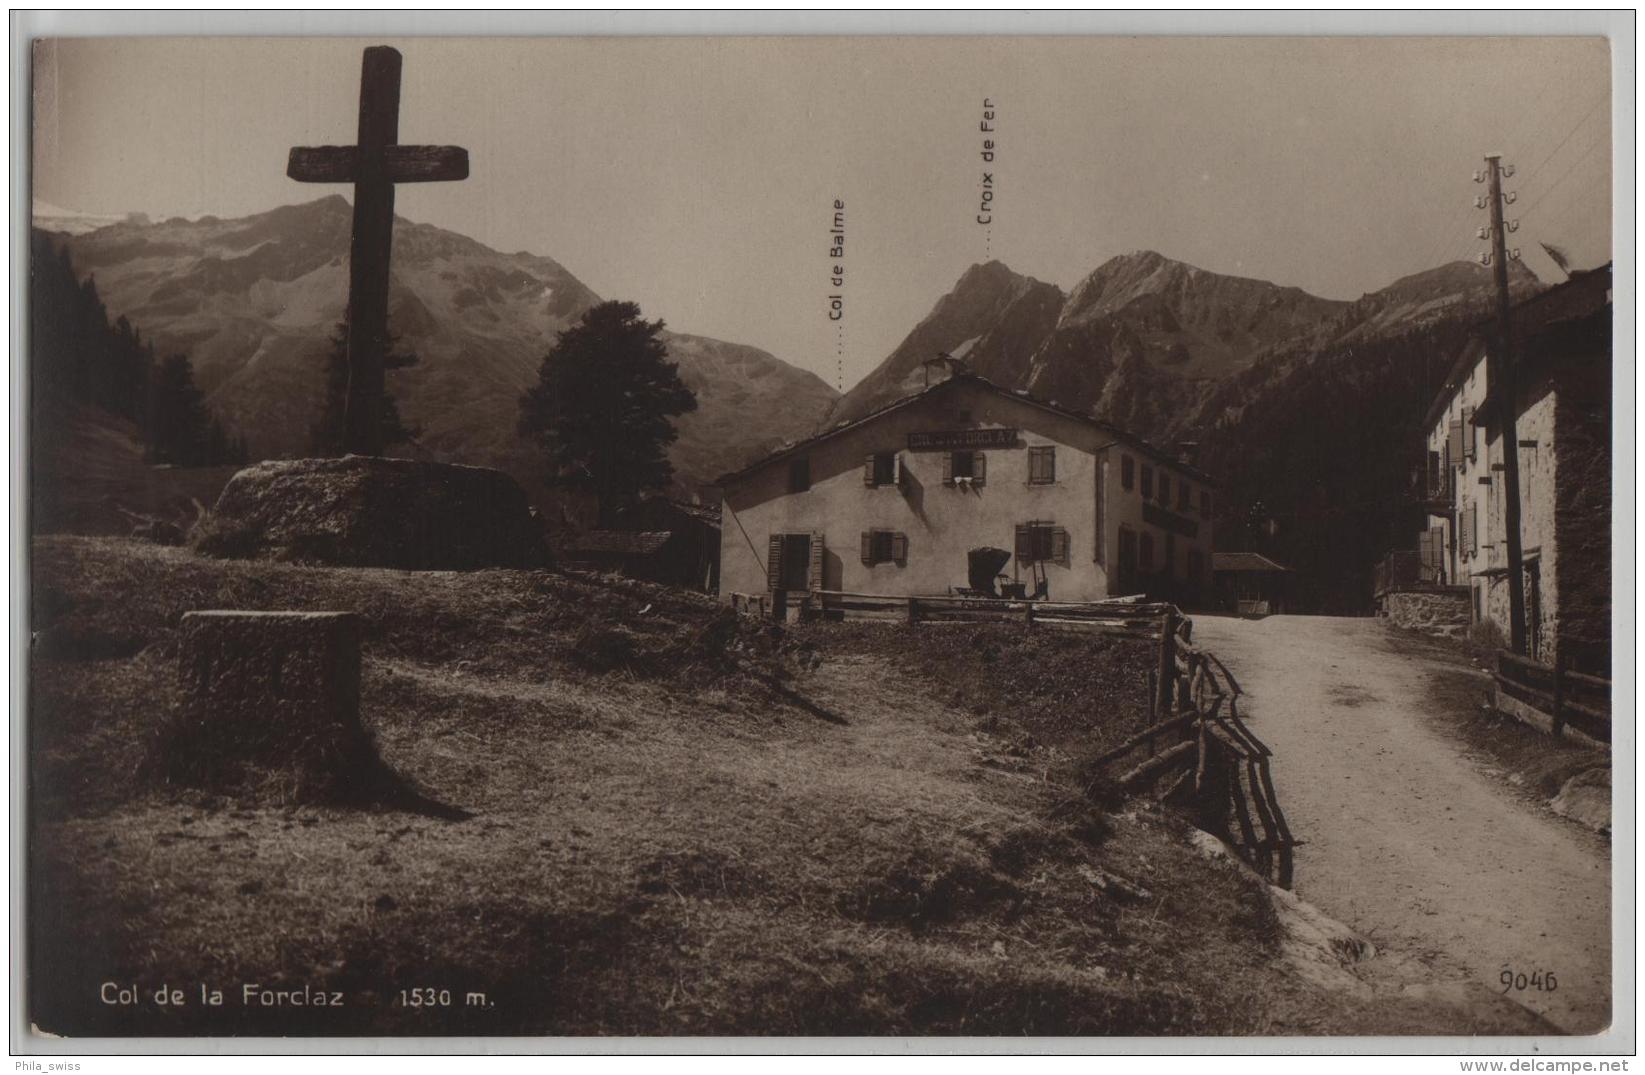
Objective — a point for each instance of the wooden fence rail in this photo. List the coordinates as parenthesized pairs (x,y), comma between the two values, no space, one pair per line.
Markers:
(1221,768)
(1194,733)
(1560,696)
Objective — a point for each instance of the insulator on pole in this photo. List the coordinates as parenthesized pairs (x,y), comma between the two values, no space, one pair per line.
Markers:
(1509,197)
(1480,202)
(1513,255)
(1513,225)
(1485,258)
(1479,176)
(1484,233)
(1507,171)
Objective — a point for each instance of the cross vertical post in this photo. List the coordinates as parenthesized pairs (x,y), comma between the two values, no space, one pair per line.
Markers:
(374,165)
(370,249)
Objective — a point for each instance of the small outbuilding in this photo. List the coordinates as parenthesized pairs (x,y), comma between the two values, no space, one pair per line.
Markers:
(1250,584)
(658,539)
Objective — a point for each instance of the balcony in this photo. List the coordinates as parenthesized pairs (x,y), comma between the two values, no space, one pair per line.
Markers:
(1438,495)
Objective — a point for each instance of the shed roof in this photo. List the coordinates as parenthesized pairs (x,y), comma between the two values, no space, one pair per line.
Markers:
(1244,561)
(977,380)
(621,542)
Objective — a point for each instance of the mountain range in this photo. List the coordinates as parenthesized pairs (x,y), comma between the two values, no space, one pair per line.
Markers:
(1151,343)
(1306,409)
(253,301)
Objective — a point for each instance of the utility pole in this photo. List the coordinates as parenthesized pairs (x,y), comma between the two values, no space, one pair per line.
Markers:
(1501,382)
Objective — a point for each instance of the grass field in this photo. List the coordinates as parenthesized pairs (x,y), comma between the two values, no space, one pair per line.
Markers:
(681,823)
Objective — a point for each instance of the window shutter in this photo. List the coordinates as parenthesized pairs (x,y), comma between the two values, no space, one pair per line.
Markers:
(1025,549)
(867,547)
(815,581)
(1464,534)
(1454,440)
(1101,491)
(899,548)
(1048,466)
(979,468)
(1468,432)
(1059,546)
(774,563)
(868,470)
(1426,549)
(896,469)
(1473,526)
(948,468)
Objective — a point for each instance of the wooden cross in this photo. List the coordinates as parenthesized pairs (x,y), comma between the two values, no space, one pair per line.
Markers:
(374,165)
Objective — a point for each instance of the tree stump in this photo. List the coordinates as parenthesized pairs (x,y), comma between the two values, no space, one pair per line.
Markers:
(271,703)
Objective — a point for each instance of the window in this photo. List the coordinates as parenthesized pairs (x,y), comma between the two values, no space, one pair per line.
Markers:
(884,547)
(1469,433)
(1145,548)
(1205,502)
(964,468)
(1042,465)
(1170,565)
(1147,482)
(1185,496)
(1042,542)
(881,468)
(799,474)
(1164,488)
(1128,467)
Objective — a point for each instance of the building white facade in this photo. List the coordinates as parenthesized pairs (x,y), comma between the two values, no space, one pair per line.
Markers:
(896,502)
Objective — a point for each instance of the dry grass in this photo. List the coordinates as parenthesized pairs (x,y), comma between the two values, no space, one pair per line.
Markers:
(682,824)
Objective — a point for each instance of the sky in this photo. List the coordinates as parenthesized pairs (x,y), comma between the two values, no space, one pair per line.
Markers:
(697,176)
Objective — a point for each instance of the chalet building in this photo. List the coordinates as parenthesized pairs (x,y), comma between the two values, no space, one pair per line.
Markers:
(1563,418)
(967,487)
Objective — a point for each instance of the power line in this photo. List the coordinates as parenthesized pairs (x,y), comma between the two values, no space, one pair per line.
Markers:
(1455,249)
(1574,128)
(1549,189)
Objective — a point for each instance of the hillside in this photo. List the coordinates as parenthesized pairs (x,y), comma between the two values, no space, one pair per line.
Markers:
(993,318)
(253,300)
(682,823)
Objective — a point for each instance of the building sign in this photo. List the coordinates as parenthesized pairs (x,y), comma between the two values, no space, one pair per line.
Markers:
(962,439)
(1155,515)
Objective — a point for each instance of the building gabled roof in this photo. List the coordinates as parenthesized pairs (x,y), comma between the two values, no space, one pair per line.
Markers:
(1244,561)
(979,381)
(1536,312)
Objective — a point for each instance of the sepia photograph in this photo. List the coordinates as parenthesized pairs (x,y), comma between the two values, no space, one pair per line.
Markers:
(904,537)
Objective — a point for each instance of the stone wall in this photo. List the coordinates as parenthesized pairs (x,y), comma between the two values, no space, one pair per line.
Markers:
(1442,612)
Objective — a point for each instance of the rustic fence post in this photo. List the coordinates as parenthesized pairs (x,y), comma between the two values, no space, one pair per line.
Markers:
(1153,694)
(1028,614)
(913,611)
(1167,659)
(1559,693)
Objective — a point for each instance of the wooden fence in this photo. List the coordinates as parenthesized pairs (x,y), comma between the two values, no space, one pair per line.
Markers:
(1131,617)
(1213,762)
(1554,698)
(1195,736)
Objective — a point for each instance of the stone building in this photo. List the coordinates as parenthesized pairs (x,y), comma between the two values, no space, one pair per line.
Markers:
(1562,414)
(966,479)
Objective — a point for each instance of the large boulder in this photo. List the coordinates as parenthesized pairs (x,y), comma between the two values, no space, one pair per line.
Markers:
(364,511)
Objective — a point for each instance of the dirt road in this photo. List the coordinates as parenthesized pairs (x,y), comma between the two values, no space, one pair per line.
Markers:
(1407,839)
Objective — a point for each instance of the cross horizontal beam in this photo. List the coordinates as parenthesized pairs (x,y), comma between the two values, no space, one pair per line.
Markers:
(403,164)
